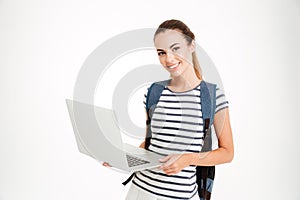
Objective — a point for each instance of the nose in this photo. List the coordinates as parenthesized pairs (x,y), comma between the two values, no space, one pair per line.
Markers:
(169,57)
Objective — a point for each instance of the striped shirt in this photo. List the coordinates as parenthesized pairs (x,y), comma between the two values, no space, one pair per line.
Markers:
(177,127)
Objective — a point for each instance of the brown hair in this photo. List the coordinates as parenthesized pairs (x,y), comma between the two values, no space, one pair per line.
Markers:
(174,24)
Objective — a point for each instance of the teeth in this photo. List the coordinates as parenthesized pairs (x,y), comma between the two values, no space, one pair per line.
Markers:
(173,66)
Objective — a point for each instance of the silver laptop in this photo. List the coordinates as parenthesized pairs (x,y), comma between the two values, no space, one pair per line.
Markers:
(98,135)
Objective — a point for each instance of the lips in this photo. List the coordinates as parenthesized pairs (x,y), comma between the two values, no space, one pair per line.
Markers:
(174,66)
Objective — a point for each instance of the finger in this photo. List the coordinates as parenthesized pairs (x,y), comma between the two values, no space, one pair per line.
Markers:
(165,166)
(106,164)
(169,171)
(165,159)
(172,171)
(172,159)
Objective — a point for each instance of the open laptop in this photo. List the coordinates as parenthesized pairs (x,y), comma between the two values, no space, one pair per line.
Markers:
(98,135)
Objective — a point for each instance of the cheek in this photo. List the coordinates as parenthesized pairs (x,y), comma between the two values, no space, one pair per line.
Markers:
(181,57)
(185,56)
(161,60)
(182,54)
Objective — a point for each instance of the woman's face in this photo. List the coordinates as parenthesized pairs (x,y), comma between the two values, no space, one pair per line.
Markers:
(173,51)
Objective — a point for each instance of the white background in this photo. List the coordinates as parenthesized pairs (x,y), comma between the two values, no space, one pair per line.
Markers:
(254,45)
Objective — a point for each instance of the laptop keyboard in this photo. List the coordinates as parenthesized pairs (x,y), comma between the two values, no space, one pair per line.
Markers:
(135,161)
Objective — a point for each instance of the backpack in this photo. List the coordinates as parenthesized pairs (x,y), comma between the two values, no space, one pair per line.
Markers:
(205,174)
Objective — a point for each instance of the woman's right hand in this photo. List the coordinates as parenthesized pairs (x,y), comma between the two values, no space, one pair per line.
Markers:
(106,164)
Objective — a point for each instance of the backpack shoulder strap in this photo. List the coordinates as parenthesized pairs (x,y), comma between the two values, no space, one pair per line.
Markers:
(205,174)
(208,107)
(208,100)
(153,95)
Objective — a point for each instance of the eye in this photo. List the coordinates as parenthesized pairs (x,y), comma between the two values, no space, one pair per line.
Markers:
(161,53)
(175,49)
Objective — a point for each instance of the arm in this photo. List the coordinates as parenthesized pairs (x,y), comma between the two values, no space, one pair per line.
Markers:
(174,163)
(225,152)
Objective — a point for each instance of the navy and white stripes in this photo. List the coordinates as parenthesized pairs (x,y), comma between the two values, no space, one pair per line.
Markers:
(177,127)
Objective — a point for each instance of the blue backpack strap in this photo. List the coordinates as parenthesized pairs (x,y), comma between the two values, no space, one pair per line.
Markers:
(153,95)
(208,100)
(208,107)
(206,174)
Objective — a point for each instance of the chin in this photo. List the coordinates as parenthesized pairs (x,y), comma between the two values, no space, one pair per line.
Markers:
(175,75)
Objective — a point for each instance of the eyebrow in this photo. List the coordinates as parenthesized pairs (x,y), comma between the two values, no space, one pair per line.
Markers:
(169,47)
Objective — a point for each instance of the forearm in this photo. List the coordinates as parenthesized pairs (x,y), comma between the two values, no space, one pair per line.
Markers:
(225,152)
(211,158)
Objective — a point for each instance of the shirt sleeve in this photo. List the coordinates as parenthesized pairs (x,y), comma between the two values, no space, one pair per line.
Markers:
(221,101)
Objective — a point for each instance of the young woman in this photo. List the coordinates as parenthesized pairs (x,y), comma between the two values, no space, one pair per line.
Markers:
(177,124)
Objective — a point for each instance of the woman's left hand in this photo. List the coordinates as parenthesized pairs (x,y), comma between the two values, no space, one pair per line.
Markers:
(173,163)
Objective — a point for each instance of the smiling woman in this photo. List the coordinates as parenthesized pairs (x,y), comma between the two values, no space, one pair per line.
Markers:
(181,47)
(178,123)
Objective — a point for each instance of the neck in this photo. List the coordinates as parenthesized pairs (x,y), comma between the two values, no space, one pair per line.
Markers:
(185,81)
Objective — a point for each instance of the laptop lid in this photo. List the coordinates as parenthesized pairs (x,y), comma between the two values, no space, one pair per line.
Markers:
(97,132)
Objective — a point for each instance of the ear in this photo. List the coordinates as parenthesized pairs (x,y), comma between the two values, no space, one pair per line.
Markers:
(193,46)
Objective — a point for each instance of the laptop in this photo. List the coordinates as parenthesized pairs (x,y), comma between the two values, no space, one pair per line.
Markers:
(98,136)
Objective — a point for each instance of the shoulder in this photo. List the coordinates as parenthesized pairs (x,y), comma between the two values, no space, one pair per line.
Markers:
(154,92)
(210,86)
(157,86)
(213,87)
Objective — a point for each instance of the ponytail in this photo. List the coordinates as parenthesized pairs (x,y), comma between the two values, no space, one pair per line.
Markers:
(197,67)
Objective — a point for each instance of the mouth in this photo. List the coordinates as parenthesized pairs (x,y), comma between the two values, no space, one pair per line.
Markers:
(173,67)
